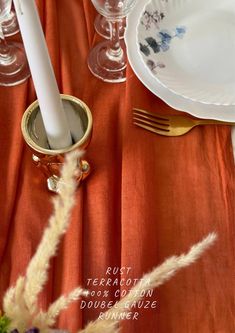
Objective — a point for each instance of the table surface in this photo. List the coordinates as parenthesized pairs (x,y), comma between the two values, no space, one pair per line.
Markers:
(148,196)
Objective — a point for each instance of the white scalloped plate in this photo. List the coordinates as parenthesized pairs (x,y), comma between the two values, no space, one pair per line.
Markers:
(200,110)
(189,46)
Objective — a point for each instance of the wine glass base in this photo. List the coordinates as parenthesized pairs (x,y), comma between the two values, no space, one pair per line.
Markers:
(10,27)
(105,68)
(102,27)
(16,71)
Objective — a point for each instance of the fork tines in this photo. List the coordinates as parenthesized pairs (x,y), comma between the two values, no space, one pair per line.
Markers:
(150,121)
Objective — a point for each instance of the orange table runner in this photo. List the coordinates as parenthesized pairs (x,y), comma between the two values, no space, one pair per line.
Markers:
(148,197)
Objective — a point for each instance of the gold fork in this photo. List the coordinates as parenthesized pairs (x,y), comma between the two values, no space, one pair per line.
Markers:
(170,125)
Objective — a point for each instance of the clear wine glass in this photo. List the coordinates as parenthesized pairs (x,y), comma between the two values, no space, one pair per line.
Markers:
(8,18)
(102,27)
(13,62)
(108,60)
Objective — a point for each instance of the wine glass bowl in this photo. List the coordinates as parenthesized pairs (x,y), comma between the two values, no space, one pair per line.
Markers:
(114,9)
(108,60)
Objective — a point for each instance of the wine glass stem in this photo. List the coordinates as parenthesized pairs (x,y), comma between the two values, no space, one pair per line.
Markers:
(115,50)
(6,55)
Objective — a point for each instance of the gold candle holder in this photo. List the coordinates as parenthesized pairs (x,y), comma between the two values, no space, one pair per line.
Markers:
(49,161)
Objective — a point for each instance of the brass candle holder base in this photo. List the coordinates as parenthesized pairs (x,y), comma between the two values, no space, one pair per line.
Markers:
(49,161)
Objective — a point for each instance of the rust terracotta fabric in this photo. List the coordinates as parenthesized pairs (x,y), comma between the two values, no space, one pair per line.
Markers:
(148,197)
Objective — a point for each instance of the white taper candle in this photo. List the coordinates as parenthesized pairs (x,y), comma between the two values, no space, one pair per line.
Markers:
(53,115)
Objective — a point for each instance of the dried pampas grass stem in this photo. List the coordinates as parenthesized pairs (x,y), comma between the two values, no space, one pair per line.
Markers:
(20,302)
(154,279)
(36,274)
(62,303)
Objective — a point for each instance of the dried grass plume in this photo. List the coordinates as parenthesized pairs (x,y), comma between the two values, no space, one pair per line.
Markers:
(20,302)
(155,278)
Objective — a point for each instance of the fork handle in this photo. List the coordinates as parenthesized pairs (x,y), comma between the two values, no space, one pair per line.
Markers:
(213,122)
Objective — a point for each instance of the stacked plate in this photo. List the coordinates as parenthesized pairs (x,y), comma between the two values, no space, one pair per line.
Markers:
(184,52)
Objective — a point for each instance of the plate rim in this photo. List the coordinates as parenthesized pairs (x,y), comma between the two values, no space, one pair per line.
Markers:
(149,6)
(177,102)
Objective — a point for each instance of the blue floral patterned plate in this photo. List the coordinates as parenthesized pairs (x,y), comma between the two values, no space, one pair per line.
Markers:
(189,47)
